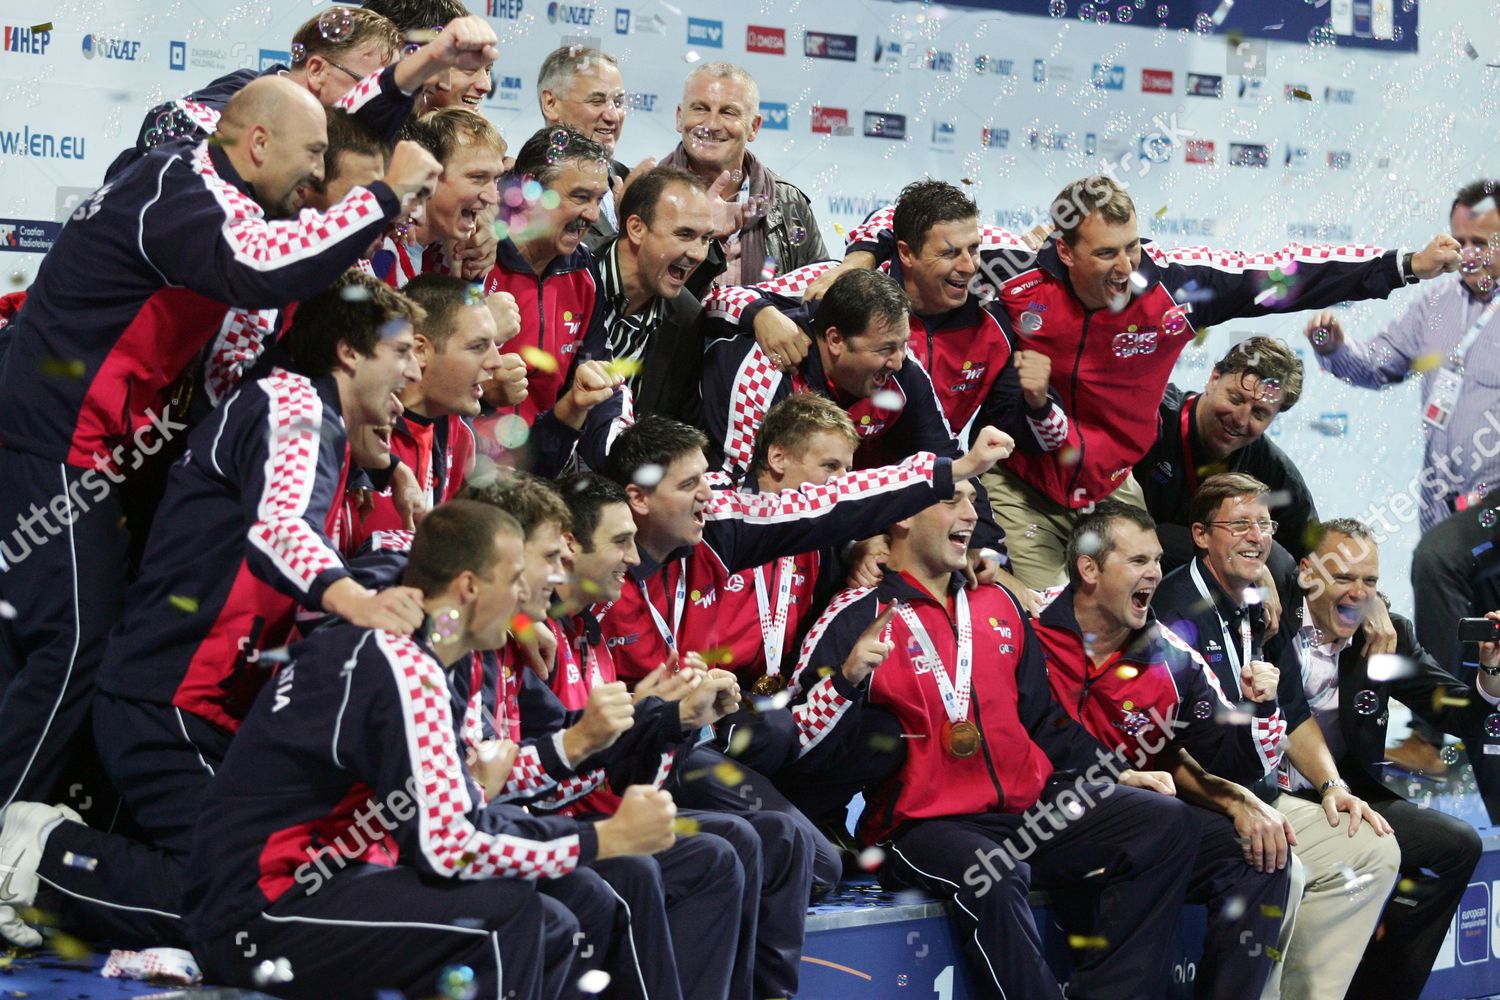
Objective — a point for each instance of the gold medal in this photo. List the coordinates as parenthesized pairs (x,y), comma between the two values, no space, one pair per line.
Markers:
(767,685)
(961,739)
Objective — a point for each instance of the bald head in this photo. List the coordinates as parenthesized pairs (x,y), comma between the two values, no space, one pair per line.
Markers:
(274,133)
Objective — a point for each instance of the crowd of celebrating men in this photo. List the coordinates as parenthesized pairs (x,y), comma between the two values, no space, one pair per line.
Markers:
(429,553)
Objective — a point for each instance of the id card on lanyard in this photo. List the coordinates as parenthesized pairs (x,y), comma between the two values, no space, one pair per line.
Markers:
(1448,381)
(679,599)
(773,621)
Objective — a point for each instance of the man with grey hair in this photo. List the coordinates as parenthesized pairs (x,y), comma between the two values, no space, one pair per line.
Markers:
(718,115)
(582,87)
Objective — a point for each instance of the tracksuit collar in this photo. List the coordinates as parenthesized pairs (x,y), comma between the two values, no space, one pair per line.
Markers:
(509,256)
(1141,645)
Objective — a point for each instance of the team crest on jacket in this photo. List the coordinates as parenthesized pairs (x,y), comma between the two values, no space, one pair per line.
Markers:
(971,377)
(735,583)
(704,598)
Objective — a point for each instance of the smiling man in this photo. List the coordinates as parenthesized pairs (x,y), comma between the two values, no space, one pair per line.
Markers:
(1139,688)
(1346,689)
(243,538)
(719,114)
(1204,603)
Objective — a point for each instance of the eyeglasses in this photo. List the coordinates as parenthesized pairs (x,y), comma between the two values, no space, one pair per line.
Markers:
(344,69)
(1241,526)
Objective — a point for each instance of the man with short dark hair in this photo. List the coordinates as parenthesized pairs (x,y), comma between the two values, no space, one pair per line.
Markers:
(990,753)
(1127,678)
(1108,311)
(175,239)
(1344,873)
(244,536)
(1222,429)
(350,833)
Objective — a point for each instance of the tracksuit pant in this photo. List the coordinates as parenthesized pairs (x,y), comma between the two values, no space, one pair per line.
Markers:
(64,565)
(371,928)
(124,889)
(1438,854)
(778,848)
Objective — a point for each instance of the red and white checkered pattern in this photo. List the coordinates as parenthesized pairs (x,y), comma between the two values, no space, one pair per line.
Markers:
(817,716)
(788,505)
(280,531)
(242,337)
(449,840)
(1052,430)
(264,245)
(362,93)
(1237,261)
(869,231)
(840,601)
(201,115)
(391,540)
(750,396)
(1270,736)
(730,301)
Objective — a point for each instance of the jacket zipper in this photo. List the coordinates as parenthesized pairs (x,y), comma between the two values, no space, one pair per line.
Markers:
(1073,408)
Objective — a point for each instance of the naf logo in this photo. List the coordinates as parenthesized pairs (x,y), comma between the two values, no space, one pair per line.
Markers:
(273,57)
(637,101)
(121,49)
(774,116)
(994,138)
(1108,77)
(177,55)
(25,41)
(567,13)
(506,10)
(707,33)
(939,61)
(994,65)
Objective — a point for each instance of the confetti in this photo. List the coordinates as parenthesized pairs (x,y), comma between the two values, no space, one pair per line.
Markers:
(728,774)
(1161,211)
(685,826)
(1301,94)
(63,367)
(7,610)
(593,981)
(37,29)
(624,367)
(538,359)
(187,605)
(1081,942)
(647,476)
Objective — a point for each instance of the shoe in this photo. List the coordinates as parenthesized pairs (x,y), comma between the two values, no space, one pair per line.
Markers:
(24,827)
(1416,755)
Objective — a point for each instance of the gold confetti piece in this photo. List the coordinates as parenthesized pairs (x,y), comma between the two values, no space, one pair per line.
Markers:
(1301,94)
(1273,954)
(740,741)
(68,948)
(685,826)
(1441,699)
(718,654)
(838,229)
(63,367)
(883,742)
(1270,910)
(1426,362)
(1127,673)
(37,29)
(539,359)
(1406,886)
(624,367)
(187,605)
(1161,211)
(1080,942)
(728,774)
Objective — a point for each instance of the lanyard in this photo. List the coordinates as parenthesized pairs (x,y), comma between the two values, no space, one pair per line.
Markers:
(404,260)
(1189,465)
(1460,352)
(679,598)
(773,623)
(955,693)
(1230,649)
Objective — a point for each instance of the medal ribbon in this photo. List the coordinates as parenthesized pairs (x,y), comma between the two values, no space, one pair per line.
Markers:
(679,599)
(955,692)
(774,624)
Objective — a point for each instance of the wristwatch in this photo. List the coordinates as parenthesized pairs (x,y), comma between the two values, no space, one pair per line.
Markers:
(1407,274)
(1332,783)
(1492,671)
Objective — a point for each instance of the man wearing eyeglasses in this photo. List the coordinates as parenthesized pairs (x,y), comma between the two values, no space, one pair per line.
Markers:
(1345,869)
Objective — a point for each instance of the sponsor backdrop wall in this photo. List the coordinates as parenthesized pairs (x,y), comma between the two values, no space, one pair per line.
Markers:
(1248,125)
